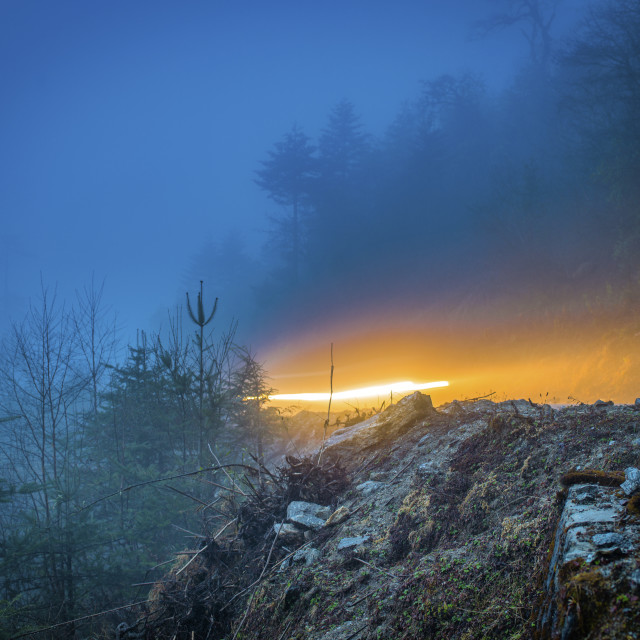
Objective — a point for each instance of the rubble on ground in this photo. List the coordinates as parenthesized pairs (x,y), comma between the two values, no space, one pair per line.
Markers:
(475,520)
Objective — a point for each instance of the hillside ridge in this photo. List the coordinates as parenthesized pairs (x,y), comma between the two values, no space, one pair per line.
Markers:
(452,522)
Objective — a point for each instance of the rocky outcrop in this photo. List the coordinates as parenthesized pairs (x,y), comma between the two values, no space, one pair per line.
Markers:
(383,427)
(480,520)
(593,565)
(447,528)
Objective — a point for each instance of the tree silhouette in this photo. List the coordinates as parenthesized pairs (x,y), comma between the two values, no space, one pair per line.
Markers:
(201,320)
(286,176)
(534,17)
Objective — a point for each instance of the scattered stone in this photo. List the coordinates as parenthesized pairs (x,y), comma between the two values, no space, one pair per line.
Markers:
(632,481)
(369,487)
(337,517)
(634,578)
(309,556)
(602,403)
(348,543)
(284,565)
(287,531)
(636,442)
(611,442)
(307,514)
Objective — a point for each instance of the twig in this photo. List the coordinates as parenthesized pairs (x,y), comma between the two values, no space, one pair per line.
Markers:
(195,555)
(488,395)
(277,564)
(266,564)
(233,489)
(326,422)
(224,528)
(373,566)
(206,546)
(353,635)
(186,495)
(406,466)
(285,629)
(233,482)
(156,481)
(82,619)
(350,605)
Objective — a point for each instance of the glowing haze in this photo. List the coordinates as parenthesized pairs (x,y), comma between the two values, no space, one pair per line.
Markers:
(363,392)
(558,358)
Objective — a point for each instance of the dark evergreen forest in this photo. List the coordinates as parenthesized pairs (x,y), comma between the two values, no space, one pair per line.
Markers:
(109,452)
(471,193)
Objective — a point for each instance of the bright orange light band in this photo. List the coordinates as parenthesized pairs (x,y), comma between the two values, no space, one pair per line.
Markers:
(364,392)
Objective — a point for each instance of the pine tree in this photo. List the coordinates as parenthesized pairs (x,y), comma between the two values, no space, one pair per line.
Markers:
(287,176)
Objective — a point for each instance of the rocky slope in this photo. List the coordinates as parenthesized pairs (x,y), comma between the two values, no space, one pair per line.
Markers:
(473,520)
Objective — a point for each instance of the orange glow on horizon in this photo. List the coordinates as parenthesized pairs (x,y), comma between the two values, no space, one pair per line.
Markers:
(363,392)
(561,355)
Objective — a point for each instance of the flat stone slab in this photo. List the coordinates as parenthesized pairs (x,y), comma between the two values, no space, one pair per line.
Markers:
(610,539)
(307,514)
(287,531)
(369,487)
(309,556)
(348,543)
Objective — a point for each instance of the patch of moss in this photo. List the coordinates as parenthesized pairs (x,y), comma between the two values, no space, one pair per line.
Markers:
(633,506)
(586,600)
(593,476)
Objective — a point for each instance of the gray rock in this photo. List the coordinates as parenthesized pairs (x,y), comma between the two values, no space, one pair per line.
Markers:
(307,514)
(382,428)
(637,403)
(284,565)
(592,525)
(287,531)
(588,496)
(632,480)
(636,442)
(369,487)
(634,578)
(609,539)
(309,556)
(348,543)
(602,403)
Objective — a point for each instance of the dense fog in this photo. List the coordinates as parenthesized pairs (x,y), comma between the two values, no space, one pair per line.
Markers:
(317,165)
(443,191)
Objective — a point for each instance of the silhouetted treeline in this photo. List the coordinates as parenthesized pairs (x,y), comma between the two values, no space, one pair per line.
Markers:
(469,191)
(94,447)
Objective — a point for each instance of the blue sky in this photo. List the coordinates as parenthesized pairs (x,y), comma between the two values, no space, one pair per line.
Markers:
(130,130)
